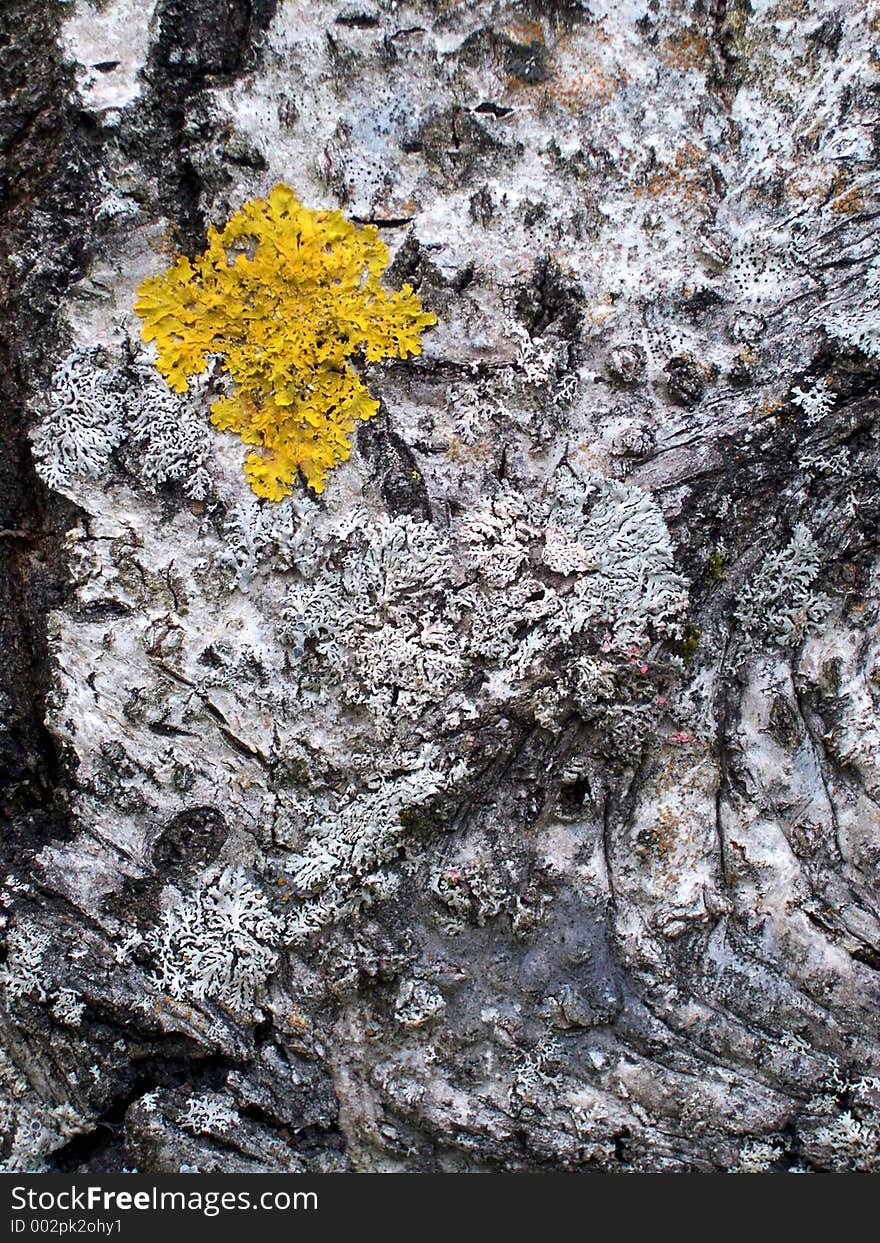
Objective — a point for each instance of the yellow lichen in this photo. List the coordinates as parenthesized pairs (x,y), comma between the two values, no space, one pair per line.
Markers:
(284,296)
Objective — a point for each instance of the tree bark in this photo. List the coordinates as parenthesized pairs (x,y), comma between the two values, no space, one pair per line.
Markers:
(513,805)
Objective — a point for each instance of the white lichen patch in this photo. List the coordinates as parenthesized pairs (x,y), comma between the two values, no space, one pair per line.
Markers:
(781,601)
(219,946)
(83,421)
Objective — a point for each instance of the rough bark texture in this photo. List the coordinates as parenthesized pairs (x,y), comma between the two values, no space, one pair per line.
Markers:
(514,805)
